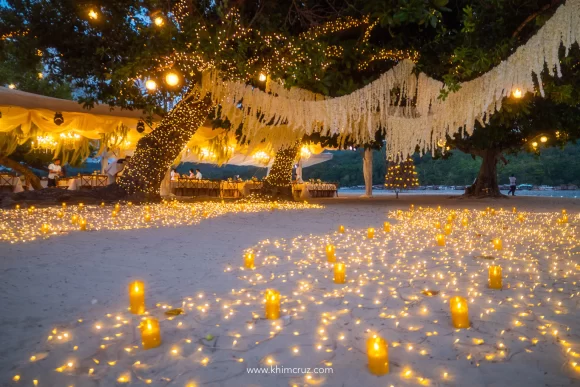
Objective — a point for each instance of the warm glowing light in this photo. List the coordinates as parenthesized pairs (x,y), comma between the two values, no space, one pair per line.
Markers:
(339,273)
(93,14)
(543,139)
(172,79)
(150,333)
(459,312)
(378,356)
(151,85)
(262,77)
(272,310)
(137,297)
(517,93)
(535,144)
(12,86)
(159,21)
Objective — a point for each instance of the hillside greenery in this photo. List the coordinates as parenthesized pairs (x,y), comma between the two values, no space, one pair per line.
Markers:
(552,166)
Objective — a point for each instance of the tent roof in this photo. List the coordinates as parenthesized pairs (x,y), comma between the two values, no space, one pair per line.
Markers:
(10,97)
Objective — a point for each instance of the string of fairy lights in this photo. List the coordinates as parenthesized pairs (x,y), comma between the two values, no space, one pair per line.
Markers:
(158,150)
(29,224)
(281,172)
(398,285)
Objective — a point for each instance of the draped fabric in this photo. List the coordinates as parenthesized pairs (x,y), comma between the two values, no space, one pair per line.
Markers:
(413,115)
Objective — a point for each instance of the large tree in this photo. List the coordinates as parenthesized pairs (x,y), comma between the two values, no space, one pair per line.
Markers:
(110,49)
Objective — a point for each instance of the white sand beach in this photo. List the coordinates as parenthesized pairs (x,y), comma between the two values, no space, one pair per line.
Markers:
(75,286)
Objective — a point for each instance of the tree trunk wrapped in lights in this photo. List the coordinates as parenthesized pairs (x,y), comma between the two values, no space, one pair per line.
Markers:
(156,151)
(401,175)
(279,182)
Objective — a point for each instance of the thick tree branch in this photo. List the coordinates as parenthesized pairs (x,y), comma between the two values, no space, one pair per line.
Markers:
(533,16)
(27,172)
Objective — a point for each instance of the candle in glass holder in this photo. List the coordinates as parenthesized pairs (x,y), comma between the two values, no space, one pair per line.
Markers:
(137,297)
(495,277)
(453,215)
(63,205)
(438,208)
(521,217)
(60,214)
(249,260)
(150,333)
(341,229)
(378,356)
(147,217)
(464,222)
(449,219)
(330,256)
(497,244)
(117,207)
(447,229)
(81,206)
(440,238)
(459,312)
(387,227)
(514,210)
(564,218)
(371,233)
(437,225)
(74,219)
(412,207)
(45,228)
(564,212)
(339,273)
(272,304)
(82,224)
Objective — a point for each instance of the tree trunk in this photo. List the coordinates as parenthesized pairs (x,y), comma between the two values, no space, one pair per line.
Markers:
(23,170)
(278,183)
(368,172)
(156,151)
(486,183)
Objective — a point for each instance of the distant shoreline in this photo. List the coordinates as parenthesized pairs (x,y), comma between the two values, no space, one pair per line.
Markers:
(575,194)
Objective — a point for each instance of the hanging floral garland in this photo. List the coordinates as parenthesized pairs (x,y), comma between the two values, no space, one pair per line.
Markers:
(426,121)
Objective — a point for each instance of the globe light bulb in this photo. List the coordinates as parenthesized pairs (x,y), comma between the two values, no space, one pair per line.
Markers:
(517,93)
(151,85)
(159,21)
(534,144)
(543,139)
(262,77)
(93,14)
(172,79)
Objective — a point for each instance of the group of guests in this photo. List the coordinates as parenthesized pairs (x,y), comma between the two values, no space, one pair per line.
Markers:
(192,175)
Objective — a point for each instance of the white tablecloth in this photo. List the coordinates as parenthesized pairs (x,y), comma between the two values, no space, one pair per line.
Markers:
(305,188)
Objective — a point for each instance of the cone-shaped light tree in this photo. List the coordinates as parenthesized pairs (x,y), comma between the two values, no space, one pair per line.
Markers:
(401,176)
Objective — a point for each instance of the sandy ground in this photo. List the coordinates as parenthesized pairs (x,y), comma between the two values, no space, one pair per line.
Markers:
(44,284)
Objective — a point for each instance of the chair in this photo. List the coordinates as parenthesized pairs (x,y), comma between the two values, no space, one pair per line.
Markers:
(229,189)
(7,182)
(101,181)
(86,182)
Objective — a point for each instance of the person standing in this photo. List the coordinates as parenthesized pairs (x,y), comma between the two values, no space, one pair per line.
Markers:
(512,185)
(54,170)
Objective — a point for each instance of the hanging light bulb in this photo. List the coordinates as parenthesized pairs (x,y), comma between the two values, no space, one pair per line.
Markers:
(535,144)
(172,79)
(159,21)
(517,93)
(262,77)
(151,85)
(543,139)
(93,14)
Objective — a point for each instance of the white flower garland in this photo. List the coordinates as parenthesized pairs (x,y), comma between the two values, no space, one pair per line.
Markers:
(286,115)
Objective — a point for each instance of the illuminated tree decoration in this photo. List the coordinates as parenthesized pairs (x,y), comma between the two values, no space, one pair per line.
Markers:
(279,181)
(401,176)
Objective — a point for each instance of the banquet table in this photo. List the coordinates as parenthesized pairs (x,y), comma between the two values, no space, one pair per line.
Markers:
(314,190)
(213,188)
(194,187)
(84,181)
